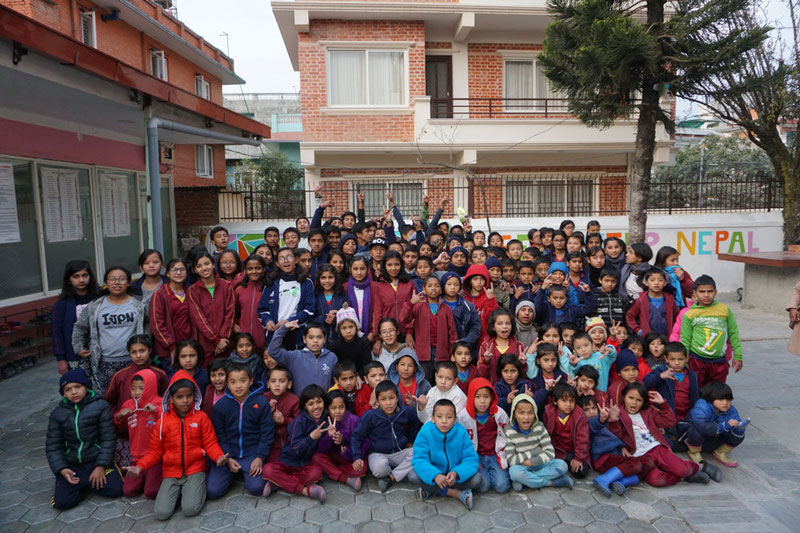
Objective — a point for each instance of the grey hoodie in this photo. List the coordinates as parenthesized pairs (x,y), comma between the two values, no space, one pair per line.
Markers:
(423,387)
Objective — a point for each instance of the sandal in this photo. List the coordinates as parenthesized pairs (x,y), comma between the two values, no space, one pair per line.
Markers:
(423,494)
(466,498)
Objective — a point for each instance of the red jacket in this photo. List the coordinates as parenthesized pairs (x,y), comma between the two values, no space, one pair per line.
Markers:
(362,404)
(654,418)
(207,406)
(418,318)
(246,312)
(140,423)
(482,304)
(119,388)
(488,369)
(387,303)
(638,316)
(289,406)
(181,443)
(169,320)
(212,317)
(578,423)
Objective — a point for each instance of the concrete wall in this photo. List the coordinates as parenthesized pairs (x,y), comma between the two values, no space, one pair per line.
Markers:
(698,237)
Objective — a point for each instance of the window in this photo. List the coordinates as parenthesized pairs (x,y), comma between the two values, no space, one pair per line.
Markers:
(158,64)
(550,197)
(366,78)
(407,196)
(88,31)
(204,160)
(201,87)
(524,79)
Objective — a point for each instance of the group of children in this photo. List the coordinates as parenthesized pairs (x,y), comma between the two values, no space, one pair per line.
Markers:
(459,366)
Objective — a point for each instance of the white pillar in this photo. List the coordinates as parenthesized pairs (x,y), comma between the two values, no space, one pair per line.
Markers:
(312,180)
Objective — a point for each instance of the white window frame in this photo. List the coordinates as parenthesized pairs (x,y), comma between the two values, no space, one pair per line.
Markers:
(201,87)
(160,59)
(535,194)
(88,26)
(367,50)
(534,107)
(383,184)
(204,153)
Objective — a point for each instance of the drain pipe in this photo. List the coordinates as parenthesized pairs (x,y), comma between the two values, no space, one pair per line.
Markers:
(153,168)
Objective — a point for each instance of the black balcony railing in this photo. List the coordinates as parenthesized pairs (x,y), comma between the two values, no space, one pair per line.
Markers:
(498,107)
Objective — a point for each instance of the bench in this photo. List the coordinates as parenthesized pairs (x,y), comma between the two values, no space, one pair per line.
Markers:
(768,278)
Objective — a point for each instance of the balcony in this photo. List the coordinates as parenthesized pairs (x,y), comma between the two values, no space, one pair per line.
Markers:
(517,108)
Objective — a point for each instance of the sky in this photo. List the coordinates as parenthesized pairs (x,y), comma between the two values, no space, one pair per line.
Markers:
(255,44)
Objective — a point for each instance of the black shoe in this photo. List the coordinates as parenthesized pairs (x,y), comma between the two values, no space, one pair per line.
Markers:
(699,477)
(712,471)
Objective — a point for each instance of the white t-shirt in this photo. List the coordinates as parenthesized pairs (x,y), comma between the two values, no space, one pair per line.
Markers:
(288,299)
(359,302)
(645,441)
(632,287)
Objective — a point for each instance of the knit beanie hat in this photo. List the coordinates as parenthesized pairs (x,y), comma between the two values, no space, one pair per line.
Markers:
(76,375)
(455,249)
(492,262)
(595,322)
(626,358)
(447,276)
(557,266)
(525,303)
(348,313)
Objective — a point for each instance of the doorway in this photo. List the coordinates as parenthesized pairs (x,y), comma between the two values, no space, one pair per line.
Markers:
(439,85)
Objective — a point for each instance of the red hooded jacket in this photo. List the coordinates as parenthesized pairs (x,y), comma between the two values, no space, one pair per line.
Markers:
(181,443)
(140,422)
(482,304)
(246,312)
(119,388)
(578,423)
(388,302)
(169,320)
(212,316)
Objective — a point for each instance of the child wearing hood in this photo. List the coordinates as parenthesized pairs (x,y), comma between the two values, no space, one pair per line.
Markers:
(465,316)
(182,440)
(351,343)
(530,454)
(81,419)
(479,291)
(495,269)
(139,416)
(408,375)
(244,352)
(444,461)
(486,425)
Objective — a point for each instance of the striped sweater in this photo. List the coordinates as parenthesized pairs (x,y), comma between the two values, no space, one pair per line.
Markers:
(535,446)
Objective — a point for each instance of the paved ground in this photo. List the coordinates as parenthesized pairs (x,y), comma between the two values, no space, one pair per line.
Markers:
(763,494)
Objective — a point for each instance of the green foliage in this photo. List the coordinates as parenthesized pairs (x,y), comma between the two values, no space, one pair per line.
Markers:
(724,158)
(272,172)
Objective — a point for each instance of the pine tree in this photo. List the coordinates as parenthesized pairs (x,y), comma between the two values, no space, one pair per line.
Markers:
(612,59)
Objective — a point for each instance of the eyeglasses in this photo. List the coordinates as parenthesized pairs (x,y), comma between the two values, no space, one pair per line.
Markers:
(285,258)
(177,270)
(116,281)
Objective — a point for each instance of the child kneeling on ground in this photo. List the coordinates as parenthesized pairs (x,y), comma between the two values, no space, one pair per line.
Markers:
(181,440)
(444,461)
(80,443)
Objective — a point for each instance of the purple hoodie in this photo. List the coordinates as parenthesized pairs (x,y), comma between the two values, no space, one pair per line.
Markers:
(345,426)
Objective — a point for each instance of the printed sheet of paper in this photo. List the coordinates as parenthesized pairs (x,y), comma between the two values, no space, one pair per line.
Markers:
(62,214)
(9,220)
(115,205)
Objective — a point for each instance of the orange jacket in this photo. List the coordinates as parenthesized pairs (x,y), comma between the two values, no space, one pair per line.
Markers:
(181,443)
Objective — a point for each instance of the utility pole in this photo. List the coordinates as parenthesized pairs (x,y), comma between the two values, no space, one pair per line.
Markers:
(702,171)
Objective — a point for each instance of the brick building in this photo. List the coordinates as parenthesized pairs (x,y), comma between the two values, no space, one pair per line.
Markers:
(108,108)
(446,98)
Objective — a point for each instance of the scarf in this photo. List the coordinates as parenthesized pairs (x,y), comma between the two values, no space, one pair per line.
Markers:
(460,270)
(526,334)
(366,315)
(676,284)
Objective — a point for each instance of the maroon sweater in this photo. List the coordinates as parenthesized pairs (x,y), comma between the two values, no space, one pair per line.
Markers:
(571,437)
(289,405)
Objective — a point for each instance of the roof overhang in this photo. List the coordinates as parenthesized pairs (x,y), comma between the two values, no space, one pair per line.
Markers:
(73,54)
(131,14)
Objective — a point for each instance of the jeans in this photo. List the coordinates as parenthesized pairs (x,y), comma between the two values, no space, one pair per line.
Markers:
(492,476)
(540,476)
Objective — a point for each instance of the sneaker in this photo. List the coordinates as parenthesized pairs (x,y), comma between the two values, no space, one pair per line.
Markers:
(384,483)
(316,492)
(516,485)
(712,471)
(354,483)
(699,477)
(564,481)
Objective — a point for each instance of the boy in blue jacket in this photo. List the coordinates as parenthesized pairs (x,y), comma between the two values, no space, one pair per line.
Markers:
(465,316)
(553,305)
(242,420)
(391,430)
(311,365)
(716,425)
(445,463)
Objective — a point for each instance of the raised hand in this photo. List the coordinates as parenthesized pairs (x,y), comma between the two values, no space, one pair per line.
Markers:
(489,291)
(512,395)
(550,386)
(534,346)
(668,374)
(316,434)
(548,282)
(604,351)
(326,203)
(422,401)
(584,287)
(602,413)
(390,198)
(292,324)
(318,191)
(425,199)
(613,330)
(418,297)
(613,412)
(519,291)
(655,397)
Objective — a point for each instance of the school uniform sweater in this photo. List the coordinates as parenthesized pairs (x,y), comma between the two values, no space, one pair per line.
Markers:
(63,318)
(419,319)
(289,406)
(321,308)
(246,312)
(488,369)
(503,389)
(388,302)
(638,316)
(571,436)
(170,320)
(212,316)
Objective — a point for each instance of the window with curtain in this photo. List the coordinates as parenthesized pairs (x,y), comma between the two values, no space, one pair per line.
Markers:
(366,78)
(549,197)
(523,79)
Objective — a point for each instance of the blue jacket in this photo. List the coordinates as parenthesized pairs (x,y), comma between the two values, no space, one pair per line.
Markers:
(306,368)
(546,313)
(539,388)
(386,433)
(709,423)
(468,323)
(316,261)
(321,309)
(268,305)
(246,429)
(502,389)
(666,387)
(441,453)
(300,447)
(62,321)
(603,441)
(137,284)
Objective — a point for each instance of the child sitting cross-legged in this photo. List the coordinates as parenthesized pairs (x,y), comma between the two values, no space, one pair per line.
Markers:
(245,431)
(333,451)
(444,461)
(530,454)
(82,421)
(569,429)
(716,424)
(486,425)
(446,375)
(391,429)
(182,440)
